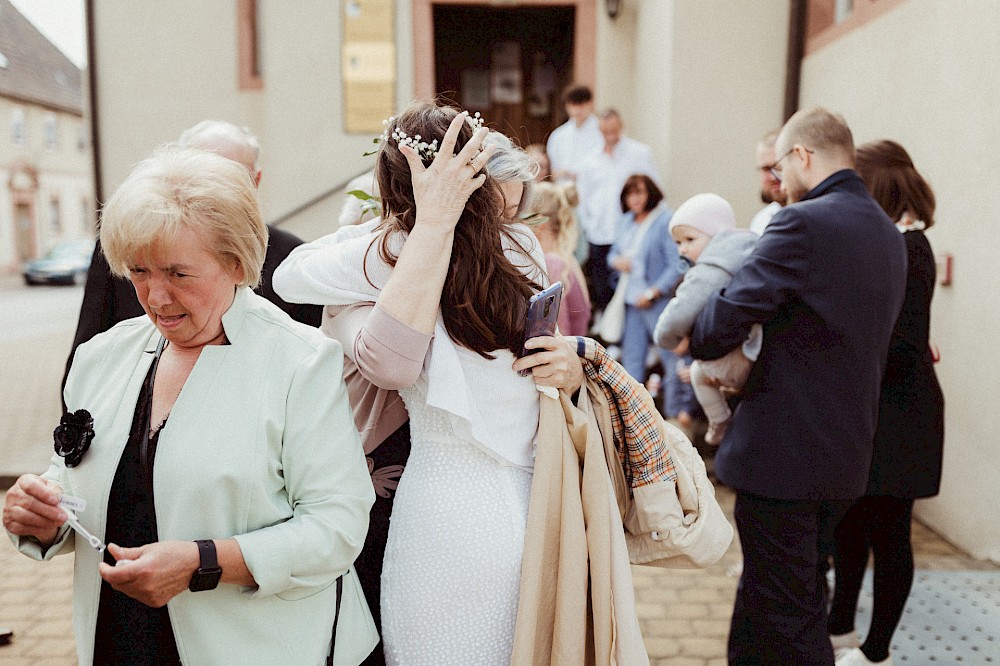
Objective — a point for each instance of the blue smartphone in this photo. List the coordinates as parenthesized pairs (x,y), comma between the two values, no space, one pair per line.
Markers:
(543,314)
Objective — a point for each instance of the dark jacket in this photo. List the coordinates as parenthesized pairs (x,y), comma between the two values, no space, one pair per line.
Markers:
(826,281)
(909,440)
(108,300)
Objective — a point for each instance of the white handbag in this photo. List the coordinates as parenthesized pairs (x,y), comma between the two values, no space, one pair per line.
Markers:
(612,322)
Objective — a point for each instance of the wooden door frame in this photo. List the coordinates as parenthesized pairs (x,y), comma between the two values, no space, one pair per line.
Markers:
(584,38)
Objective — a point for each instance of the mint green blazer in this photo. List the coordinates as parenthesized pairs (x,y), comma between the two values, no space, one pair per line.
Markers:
(260,446)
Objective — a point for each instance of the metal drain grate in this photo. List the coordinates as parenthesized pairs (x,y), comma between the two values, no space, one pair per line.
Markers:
(951,617)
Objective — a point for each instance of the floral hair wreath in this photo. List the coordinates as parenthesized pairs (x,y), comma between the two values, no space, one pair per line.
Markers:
(427,151)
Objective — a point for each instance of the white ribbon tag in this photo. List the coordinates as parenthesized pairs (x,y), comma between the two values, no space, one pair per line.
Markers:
(74,504)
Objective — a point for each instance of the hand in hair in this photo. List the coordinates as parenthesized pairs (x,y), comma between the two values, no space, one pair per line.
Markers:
(441,190)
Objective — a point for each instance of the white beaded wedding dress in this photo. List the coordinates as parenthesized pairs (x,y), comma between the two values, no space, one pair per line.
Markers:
(453,559)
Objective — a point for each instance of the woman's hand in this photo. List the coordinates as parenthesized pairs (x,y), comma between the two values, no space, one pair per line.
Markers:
(153,574)
(648,297)
(441,190)
(682,347)
(622,264)
(557,365)
(684,373)
(32,509)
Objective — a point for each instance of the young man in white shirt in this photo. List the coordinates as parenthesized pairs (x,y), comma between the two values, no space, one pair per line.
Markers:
(577,138)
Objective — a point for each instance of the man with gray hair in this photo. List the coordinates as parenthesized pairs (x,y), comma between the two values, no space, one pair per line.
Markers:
(600,180)
(228,140)
(826,282)
(108,300)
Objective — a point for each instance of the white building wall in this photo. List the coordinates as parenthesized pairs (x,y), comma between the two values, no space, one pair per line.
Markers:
(728,68)
(919,75)
(163,67)
(700,82)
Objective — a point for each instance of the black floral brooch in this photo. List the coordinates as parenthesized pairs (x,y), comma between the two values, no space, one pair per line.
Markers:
(73,436)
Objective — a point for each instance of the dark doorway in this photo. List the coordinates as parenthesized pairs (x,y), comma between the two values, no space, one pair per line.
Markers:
(510,64)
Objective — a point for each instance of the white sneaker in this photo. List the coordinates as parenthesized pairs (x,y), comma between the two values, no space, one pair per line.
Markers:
(848,640)
(855,657)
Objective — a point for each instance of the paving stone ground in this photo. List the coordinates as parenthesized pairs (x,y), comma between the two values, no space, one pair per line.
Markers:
(684,614)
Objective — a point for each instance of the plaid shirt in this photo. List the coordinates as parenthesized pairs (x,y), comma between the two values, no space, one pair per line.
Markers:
(638,438)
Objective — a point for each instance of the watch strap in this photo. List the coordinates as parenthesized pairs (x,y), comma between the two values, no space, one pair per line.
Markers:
(209,558)
(209,573)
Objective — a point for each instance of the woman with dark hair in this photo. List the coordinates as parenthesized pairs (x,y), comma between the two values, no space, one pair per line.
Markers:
(645,257)
(450,273)
(910,434)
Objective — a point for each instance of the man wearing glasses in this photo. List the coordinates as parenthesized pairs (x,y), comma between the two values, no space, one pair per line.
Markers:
(770,187)
(826,282)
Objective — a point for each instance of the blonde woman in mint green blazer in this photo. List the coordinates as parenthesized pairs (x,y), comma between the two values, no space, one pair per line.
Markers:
(256,453)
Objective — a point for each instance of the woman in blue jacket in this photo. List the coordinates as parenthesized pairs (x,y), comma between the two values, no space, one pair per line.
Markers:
(645,256)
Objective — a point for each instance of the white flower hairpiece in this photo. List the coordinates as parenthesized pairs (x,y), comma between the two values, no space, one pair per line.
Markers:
(427,151)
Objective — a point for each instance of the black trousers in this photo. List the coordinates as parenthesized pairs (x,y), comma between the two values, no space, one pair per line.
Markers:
(880,525)
(779,617)
(599,276)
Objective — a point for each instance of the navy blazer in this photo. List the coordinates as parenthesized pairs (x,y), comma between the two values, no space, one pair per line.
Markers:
(826,281)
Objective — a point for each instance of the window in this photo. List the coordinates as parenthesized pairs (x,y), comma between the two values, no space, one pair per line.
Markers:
(842,10)
(50,128)
(827,20)
(55,218)
(18,132)
(248,36)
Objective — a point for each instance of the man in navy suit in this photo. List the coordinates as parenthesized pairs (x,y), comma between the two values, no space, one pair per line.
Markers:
(826,281)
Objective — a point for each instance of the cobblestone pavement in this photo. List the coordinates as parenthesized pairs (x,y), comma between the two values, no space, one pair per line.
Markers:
(684,614)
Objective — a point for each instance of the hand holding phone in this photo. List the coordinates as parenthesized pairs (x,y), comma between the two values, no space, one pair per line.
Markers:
(543,314)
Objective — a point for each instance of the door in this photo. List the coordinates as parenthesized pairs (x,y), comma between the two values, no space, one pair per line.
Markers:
(510,64)
(24,231)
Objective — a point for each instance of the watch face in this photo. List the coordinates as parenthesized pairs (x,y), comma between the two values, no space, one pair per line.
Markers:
(205,579)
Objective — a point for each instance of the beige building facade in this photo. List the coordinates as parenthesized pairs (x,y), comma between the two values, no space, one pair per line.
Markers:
(46,181)
(700,81)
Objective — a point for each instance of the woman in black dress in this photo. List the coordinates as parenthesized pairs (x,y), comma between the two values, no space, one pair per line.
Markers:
(910,433)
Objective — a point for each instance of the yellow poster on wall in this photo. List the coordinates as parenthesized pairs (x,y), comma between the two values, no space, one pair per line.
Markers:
(368,55)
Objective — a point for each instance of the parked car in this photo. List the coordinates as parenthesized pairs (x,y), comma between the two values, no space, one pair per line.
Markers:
(66,263)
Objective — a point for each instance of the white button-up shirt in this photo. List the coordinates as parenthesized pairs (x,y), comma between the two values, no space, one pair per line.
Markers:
(569,145)
(763,217)
(600,181)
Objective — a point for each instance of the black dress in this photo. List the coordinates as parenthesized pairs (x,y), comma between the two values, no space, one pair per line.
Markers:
(128,631)
(909,440)
(394,451)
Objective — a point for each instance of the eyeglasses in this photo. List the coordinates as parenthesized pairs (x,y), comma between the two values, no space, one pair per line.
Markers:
(775,170)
